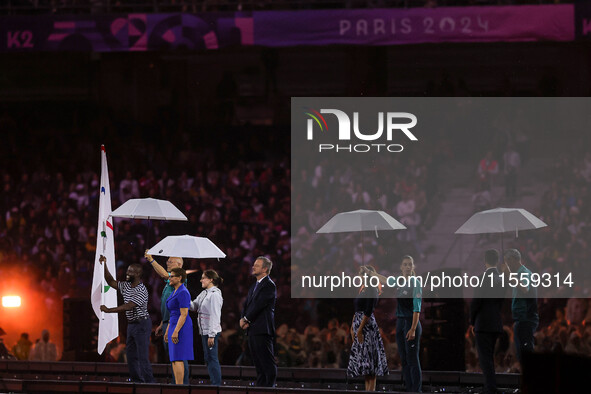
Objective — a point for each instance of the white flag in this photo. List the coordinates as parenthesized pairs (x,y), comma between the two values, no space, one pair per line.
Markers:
(105,245)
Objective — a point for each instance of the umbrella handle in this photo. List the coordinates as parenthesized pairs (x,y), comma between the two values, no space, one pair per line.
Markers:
(148,235)
(376,230)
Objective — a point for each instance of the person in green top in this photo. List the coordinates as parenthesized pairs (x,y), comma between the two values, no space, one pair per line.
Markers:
(524,306)
(409,293)
(172,262)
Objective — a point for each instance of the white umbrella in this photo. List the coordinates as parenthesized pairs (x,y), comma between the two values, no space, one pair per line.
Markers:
(500,220)
(148,208)
(186,246)
(359,221)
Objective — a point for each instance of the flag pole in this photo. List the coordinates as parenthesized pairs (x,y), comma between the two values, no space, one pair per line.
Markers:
(104,235)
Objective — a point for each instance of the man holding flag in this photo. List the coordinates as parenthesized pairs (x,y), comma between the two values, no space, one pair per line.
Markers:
(139,324)
(101,293)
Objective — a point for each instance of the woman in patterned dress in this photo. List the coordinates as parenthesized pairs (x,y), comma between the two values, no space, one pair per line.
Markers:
(368,356)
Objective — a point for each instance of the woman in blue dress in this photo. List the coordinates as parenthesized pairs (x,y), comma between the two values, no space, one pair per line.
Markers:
(180,336)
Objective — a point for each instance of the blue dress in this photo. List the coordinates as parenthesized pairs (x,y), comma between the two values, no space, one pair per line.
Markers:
(183,350)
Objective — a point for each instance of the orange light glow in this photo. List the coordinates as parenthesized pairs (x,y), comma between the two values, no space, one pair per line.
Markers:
(11,301)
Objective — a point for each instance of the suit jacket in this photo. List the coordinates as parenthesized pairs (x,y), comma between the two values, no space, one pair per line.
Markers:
(259,308)
(485,308)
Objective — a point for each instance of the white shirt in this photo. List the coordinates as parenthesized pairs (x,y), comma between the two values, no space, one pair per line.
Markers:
(512,161)
(405,210)
(208,305)
(43,351)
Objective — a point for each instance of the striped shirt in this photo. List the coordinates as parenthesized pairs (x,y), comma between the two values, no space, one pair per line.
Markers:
(139,296)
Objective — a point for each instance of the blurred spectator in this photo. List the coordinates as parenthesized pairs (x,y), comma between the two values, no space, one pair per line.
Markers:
(4,353)
(406,211)
(44,350)
(576,308)
(512,163)
(128,188)
(488,168)
(23,347)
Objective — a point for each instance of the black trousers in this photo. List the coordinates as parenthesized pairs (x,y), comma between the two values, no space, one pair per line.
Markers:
(511,184)
(263,357)
(485,344)
(138,347)
(524,337)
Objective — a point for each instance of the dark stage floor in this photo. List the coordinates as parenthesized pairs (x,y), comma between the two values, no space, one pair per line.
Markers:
(84,377)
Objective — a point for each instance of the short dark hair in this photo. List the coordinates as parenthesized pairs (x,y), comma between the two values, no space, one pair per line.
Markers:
(180,272)
(268,264)
(138,268)
(216,279)
(491,257)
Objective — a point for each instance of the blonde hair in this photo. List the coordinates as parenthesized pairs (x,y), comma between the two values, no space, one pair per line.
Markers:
(179,260)
(371,268)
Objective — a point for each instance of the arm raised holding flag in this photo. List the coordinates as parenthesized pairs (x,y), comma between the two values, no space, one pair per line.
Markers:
(113,283)
(108,277)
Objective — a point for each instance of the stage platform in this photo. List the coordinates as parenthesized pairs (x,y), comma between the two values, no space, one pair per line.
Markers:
(84,377)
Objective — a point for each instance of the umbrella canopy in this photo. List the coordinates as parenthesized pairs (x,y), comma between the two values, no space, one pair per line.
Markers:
(361,220)
(186,246)
(500,220)
(148,208)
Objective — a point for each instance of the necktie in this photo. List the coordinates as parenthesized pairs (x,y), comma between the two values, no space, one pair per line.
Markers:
(253,290)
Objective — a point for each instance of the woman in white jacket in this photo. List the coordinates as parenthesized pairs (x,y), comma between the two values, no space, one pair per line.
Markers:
(208,305)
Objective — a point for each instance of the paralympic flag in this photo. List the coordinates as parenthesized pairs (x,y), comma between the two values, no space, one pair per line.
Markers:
(101,293)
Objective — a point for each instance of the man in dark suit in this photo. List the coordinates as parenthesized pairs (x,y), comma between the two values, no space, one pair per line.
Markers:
(485,316)
(258,319)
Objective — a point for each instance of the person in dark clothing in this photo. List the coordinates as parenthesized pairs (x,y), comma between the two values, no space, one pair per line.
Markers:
(408,326)
(485,318)
(524,306)
(258,319)
(368,356)
(409,293)
(139,324)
